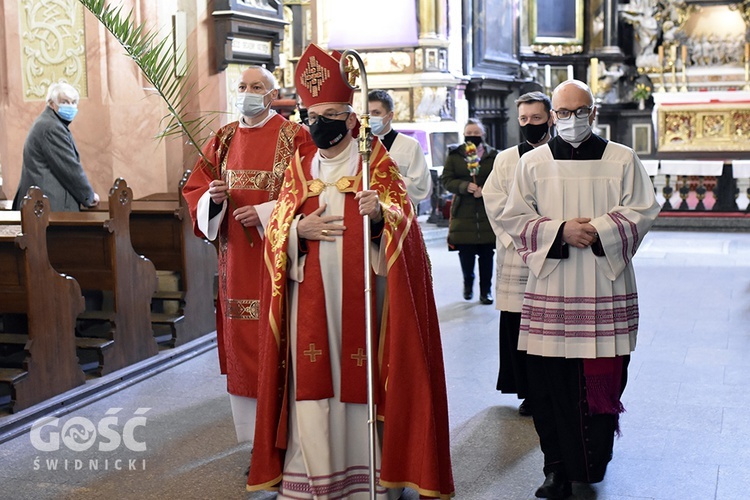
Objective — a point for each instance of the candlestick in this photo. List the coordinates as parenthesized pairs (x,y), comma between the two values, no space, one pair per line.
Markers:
(660,86)
(684,87)
(594,76)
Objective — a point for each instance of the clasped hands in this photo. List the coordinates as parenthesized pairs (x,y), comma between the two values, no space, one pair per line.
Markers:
(326,227)
(579,233)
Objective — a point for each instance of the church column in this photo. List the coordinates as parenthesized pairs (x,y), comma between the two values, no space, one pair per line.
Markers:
(610,28)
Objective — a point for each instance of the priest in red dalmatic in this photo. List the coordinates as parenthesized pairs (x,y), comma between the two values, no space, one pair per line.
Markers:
(311,438)
(232,201)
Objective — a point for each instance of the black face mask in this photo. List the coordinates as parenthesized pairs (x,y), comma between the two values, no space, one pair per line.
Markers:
(476,139)
(534,133)
(326,132)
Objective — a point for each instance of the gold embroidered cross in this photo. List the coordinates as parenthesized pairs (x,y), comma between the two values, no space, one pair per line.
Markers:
(313,353)
(360,357)
(314,76)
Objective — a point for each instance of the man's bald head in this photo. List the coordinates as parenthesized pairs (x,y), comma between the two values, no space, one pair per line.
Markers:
(571,95)
(572,89)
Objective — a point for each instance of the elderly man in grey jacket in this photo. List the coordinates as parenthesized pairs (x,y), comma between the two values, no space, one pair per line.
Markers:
(50,156)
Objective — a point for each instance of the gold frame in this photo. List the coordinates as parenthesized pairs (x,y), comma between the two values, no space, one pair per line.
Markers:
(552,40)
(704,127)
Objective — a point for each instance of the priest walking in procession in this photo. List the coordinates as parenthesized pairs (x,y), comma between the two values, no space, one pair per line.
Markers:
(578,210)
(311,439)
(249,158)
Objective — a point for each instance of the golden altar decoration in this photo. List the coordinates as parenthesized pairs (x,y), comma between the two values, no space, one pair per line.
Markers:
(702,121)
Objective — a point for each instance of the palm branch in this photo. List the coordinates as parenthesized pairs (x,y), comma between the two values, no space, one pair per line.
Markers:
(155,58)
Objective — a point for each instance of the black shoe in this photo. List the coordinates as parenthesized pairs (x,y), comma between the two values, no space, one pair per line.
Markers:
(468,292)
(485,298)
(554,487)
(524,409)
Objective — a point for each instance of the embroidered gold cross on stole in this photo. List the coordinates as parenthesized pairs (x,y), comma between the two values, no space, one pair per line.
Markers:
(360,357)
(345,184)
(313,353)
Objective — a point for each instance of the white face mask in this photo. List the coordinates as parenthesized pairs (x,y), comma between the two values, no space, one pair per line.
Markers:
(574,130)
(251,104)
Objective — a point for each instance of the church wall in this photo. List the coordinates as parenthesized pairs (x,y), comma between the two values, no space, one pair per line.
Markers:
(118,119)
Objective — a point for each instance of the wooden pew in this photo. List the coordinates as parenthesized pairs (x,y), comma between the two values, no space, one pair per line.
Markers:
(51,301)
(162,231)
(95,248)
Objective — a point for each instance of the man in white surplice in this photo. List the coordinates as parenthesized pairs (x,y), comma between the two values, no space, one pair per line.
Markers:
(579,208)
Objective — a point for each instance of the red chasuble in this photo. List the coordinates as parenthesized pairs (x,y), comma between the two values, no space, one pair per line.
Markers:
(252,161)
(412,400)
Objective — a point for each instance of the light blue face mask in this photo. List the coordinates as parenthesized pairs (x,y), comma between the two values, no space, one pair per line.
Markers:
(250,104)
(376,125)
(67,111)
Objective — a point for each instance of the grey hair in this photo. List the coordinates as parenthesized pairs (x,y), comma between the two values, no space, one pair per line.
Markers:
(478,123)
(536,96)
(62,89)
(271,80)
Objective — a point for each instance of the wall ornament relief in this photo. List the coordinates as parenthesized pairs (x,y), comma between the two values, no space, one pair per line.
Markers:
(53,46)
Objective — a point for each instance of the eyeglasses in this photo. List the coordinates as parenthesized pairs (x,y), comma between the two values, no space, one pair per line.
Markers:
(564,114)
(327,116)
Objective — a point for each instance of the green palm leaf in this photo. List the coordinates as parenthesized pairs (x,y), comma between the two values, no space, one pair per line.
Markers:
(155,58)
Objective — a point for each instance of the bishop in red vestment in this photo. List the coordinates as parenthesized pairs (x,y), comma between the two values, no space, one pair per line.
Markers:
(249,158)
(311,434)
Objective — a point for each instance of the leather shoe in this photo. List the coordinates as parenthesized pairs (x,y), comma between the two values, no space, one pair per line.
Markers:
(468,292)
(485,298)
(554,487)
(524,409)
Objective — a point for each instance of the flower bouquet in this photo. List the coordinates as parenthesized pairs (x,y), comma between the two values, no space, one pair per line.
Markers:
(472,160)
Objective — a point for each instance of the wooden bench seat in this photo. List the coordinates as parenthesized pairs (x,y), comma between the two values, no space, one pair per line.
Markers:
(162,231)
(50,302)
(95,248)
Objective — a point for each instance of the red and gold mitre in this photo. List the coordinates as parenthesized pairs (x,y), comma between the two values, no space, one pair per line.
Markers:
(319,80)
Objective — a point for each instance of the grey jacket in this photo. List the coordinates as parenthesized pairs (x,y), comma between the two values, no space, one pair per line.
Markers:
(51,162)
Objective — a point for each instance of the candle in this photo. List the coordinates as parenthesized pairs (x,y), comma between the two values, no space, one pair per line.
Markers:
(684,56)
(661,55)
(594,75)
(547,76)
(673,53)
(570,71)
(747,51)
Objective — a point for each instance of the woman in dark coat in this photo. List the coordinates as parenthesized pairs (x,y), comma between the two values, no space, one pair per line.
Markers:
(470,232)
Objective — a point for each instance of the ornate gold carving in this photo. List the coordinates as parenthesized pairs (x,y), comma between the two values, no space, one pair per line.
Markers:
(314,76)
(715,127)
(53,46)
(557,50)
(387,62)
(243,309)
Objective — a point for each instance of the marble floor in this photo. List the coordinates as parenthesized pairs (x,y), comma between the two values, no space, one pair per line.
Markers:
(685,435)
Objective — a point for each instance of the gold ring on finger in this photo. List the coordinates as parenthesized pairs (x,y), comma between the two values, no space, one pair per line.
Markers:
(324,232)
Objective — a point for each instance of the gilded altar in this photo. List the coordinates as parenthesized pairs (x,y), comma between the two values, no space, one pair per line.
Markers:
(703,121)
